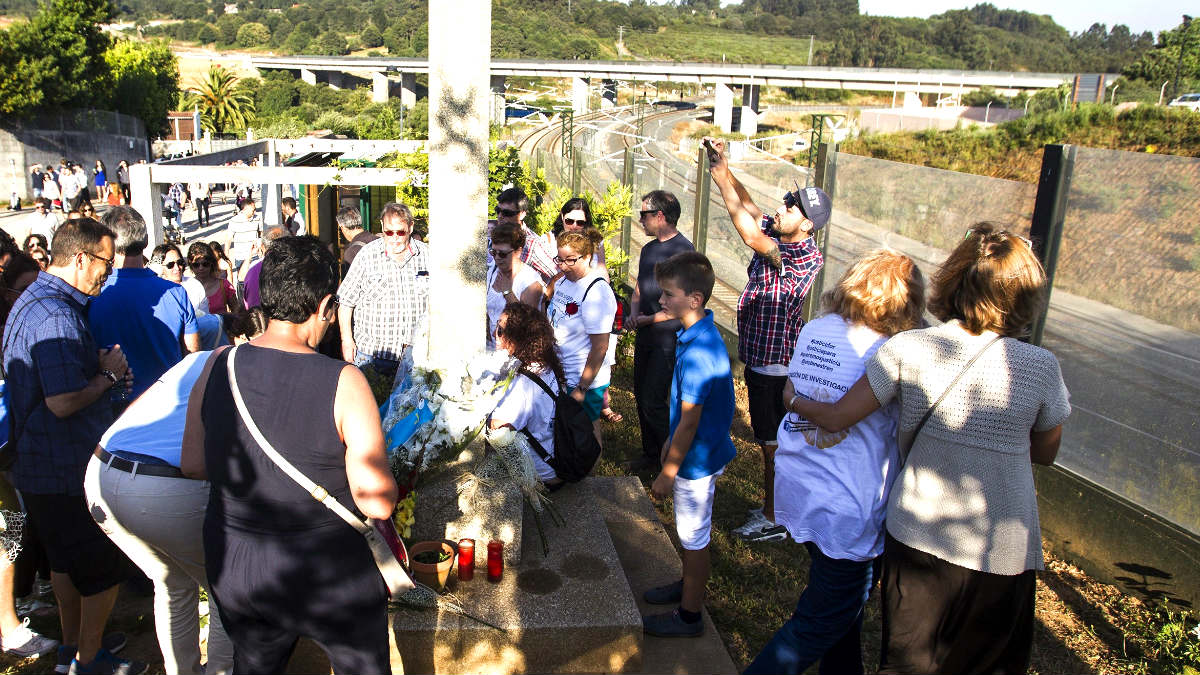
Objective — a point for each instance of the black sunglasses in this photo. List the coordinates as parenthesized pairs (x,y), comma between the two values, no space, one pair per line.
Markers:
(171,265)
(507,213)
(646,212)
(573,221)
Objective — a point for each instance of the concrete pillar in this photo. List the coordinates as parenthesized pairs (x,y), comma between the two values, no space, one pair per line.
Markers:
(749,118)
(723,107)
(380,84)
(608,94)
(499,86)
(272,193)
(308,76)
(408,89)
(460,43)
(579,95)
(147,200)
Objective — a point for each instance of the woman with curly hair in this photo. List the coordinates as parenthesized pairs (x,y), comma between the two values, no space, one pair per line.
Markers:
(978,407)
(526,334)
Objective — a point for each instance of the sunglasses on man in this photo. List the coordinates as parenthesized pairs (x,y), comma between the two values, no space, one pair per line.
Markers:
(507,213)
(175,263)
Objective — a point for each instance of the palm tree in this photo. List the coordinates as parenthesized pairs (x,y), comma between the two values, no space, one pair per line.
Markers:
(222,107)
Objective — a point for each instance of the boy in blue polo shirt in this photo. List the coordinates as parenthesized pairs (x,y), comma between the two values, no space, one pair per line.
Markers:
(698,445)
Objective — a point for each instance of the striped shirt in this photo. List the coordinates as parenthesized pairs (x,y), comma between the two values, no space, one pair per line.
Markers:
(770,311)
(390,299)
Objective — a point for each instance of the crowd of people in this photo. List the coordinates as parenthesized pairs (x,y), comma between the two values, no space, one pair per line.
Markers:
(70,185)
(896,452)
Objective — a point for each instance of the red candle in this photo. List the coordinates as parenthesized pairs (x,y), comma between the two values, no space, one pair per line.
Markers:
(466,559)
(495,560)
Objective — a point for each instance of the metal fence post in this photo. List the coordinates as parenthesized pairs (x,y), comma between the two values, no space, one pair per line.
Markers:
(826,179)
(1049,210)
(576,173)
(627,221)
(703,189)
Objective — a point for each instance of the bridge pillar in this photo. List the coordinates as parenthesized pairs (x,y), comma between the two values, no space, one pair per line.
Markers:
(723,107)
(608,94)
(408,89)
(579,95)
(380,86)
(499,86)
(749,119)
(337,79)
(308,76)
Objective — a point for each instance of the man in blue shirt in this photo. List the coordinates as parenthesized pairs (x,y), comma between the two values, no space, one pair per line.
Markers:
(150,317)
(59,381)
(699,445)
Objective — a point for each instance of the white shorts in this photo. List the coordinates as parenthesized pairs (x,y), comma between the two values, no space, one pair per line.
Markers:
(693,510)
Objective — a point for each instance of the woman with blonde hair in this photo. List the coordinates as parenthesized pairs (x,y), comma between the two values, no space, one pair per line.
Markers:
(582,310)
(831,489)
(977,408)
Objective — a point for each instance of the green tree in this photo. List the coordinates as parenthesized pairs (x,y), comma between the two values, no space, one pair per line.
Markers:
(1161,63)
(56,59)
(144,81)
(371,37)
(223,108)
(253,35)
(329,43)
(207,34)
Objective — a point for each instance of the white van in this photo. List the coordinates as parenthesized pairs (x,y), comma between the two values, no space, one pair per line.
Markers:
(1191,101)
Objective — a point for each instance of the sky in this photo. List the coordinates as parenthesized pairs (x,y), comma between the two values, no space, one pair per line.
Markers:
(1074,15)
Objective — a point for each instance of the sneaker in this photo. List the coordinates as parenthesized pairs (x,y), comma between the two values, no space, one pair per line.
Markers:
(754,523)
(756,511)
(107,664)
(768,532)
(111,643)
(671,625)
(25,642)
(670,594)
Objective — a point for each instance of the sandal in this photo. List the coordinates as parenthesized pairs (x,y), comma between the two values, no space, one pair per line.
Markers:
(612,415)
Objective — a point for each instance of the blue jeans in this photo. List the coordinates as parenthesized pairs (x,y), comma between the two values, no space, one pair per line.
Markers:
(383,366)
(827,623)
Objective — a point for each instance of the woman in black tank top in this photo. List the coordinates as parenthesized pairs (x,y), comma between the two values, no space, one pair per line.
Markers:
(283,566)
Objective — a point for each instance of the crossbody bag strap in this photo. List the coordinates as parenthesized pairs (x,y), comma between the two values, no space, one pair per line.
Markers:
(533,442)
(315,491)
(929,413)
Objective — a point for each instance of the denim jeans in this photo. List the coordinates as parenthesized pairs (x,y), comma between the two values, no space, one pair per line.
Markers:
(827,623)
(385,367)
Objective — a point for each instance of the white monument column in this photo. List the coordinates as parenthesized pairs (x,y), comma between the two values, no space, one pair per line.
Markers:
(379,87)
(460,44)
(723,107)
(146,199)
(579,95)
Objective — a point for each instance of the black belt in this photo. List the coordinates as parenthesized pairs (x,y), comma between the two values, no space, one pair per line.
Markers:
(163,470)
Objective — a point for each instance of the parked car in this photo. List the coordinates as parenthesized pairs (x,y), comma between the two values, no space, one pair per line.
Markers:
(1190,101)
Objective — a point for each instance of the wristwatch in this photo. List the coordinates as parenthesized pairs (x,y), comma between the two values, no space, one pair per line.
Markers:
(112,377)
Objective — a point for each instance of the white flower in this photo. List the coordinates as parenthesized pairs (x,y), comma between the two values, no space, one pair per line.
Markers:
(1196,631)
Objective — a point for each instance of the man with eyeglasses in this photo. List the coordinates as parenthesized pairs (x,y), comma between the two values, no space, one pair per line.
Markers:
(654,347)
(384,299)
(151,318)
(60,379)
(512,205)
(770,314)
(42,221)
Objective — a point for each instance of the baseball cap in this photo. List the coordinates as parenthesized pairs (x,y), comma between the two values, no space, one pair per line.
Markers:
(814,203)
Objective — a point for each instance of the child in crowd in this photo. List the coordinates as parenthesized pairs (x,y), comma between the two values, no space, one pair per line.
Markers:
(698,444)
(831,489)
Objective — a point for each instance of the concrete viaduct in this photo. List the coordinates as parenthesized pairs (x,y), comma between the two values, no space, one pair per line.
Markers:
(344,71)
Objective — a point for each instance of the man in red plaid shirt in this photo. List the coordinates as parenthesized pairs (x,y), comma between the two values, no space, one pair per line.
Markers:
(770,311)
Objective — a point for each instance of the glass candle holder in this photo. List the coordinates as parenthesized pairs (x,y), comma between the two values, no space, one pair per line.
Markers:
(495,560)
(466,559)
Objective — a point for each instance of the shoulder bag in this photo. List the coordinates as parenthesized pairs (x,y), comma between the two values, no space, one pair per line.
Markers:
(386,559)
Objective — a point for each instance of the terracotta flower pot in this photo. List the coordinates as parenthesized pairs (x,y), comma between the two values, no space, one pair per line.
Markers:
(430,574)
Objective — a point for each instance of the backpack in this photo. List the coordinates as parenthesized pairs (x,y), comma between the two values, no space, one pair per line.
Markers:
(575,446)
(622,306)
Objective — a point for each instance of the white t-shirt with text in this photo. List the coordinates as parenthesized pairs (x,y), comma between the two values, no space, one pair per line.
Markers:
(575,317)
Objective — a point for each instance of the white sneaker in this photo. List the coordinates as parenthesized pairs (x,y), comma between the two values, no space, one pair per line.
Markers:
(755,523)
(25,642)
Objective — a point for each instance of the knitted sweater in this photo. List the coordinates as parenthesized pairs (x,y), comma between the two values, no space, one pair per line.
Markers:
(965,493)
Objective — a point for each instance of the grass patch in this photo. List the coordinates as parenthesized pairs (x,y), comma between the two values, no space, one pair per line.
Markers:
(689,43)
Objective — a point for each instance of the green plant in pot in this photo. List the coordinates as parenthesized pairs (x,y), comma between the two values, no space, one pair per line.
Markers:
(432,562)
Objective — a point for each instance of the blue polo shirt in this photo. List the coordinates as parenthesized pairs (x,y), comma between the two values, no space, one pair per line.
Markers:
(702,377)
(146,315)
(49,350)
